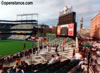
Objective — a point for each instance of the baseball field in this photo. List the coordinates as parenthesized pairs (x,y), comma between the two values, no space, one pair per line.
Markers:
(8,47)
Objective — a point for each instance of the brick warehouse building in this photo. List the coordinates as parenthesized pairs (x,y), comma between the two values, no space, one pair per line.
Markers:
(95,27)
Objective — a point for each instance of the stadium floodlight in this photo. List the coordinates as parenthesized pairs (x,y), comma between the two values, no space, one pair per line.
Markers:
(27,14)
(32,15)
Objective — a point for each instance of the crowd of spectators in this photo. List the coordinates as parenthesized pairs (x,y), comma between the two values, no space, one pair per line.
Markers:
(90,51)
(86,52)
(25,53)
(54,65)
(55,59)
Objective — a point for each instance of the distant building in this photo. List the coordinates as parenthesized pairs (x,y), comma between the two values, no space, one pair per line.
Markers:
(43,26)
(81,23)
(54,29)
(95,27)
(84,32)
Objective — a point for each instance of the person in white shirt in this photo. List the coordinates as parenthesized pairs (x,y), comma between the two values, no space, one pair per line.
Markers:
(98,53)
(58,58)
(78,56)
(53,60)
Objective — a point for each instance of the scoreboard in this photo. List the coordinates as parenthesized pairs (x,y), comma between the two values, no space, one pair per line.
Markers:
(67,25)
(67,18)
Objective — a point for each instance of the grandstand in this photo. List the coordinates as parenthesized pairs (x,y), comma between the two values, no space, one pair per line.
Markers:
(16,29)
(21,30)
(35,64)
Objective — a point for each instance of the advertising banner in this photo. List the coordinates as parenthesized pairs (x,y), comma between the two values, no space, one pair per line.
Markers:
(71,29)
(58,30)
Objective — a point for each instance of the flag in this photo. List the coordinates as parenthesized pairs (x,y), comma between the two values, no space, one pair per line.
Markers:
(77,44)
(42,41)
(32,43)
(46,41)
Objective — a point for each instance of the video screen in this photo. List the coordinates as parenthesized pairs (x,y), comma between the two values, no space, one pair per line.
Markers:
(66,30)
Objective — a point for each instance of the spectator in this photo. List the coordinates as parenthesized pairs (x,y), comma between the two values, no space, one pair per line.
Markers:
(58,58)
(78,56)
(1,65)
(27,53)
(1,71)
(18,70)
(47,47)
(9,70)
(25,67)
(23,63)
(53,60)
(98,53)
(63,45)
(56,50)
(16,65)
(73,52)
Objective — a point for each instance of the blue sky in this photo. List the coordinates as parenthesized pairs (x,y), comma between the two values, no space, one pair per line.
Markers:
(48,10)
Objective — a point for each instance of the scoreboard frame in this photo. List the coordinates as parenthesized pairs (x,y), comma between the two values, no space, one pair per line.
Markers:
(70,26)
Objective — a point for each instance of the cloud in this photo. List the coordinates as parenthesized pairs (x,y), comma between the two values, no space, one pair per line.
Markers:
(86,9)
(48,10)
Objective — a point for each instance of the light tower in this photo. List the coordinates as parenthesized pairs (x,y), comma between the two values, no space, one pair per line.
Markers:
(31,16)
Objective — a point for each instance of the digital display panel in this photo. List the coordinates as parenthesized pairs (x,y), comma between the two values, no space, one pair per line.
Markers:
(67,25)
(65,30)
(67,18)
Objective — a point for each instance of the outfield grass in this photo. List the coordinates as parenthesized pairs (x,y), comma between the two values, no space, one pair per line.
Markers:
(8,47)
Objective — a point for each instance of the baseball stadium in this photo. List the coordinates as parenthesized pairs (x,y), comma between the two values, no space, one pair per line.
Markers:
(29,47)
(14,35)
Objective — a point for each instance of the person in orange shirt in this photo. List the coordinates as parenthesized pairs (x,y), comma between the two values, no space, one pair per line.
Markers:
(17,64)
(63,45)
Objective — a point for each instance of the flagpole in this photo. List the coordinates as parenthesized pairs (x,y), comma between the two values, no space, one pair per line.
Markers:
(32,38)
(32,46)
(24,46)
(38,46)
(77,45)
